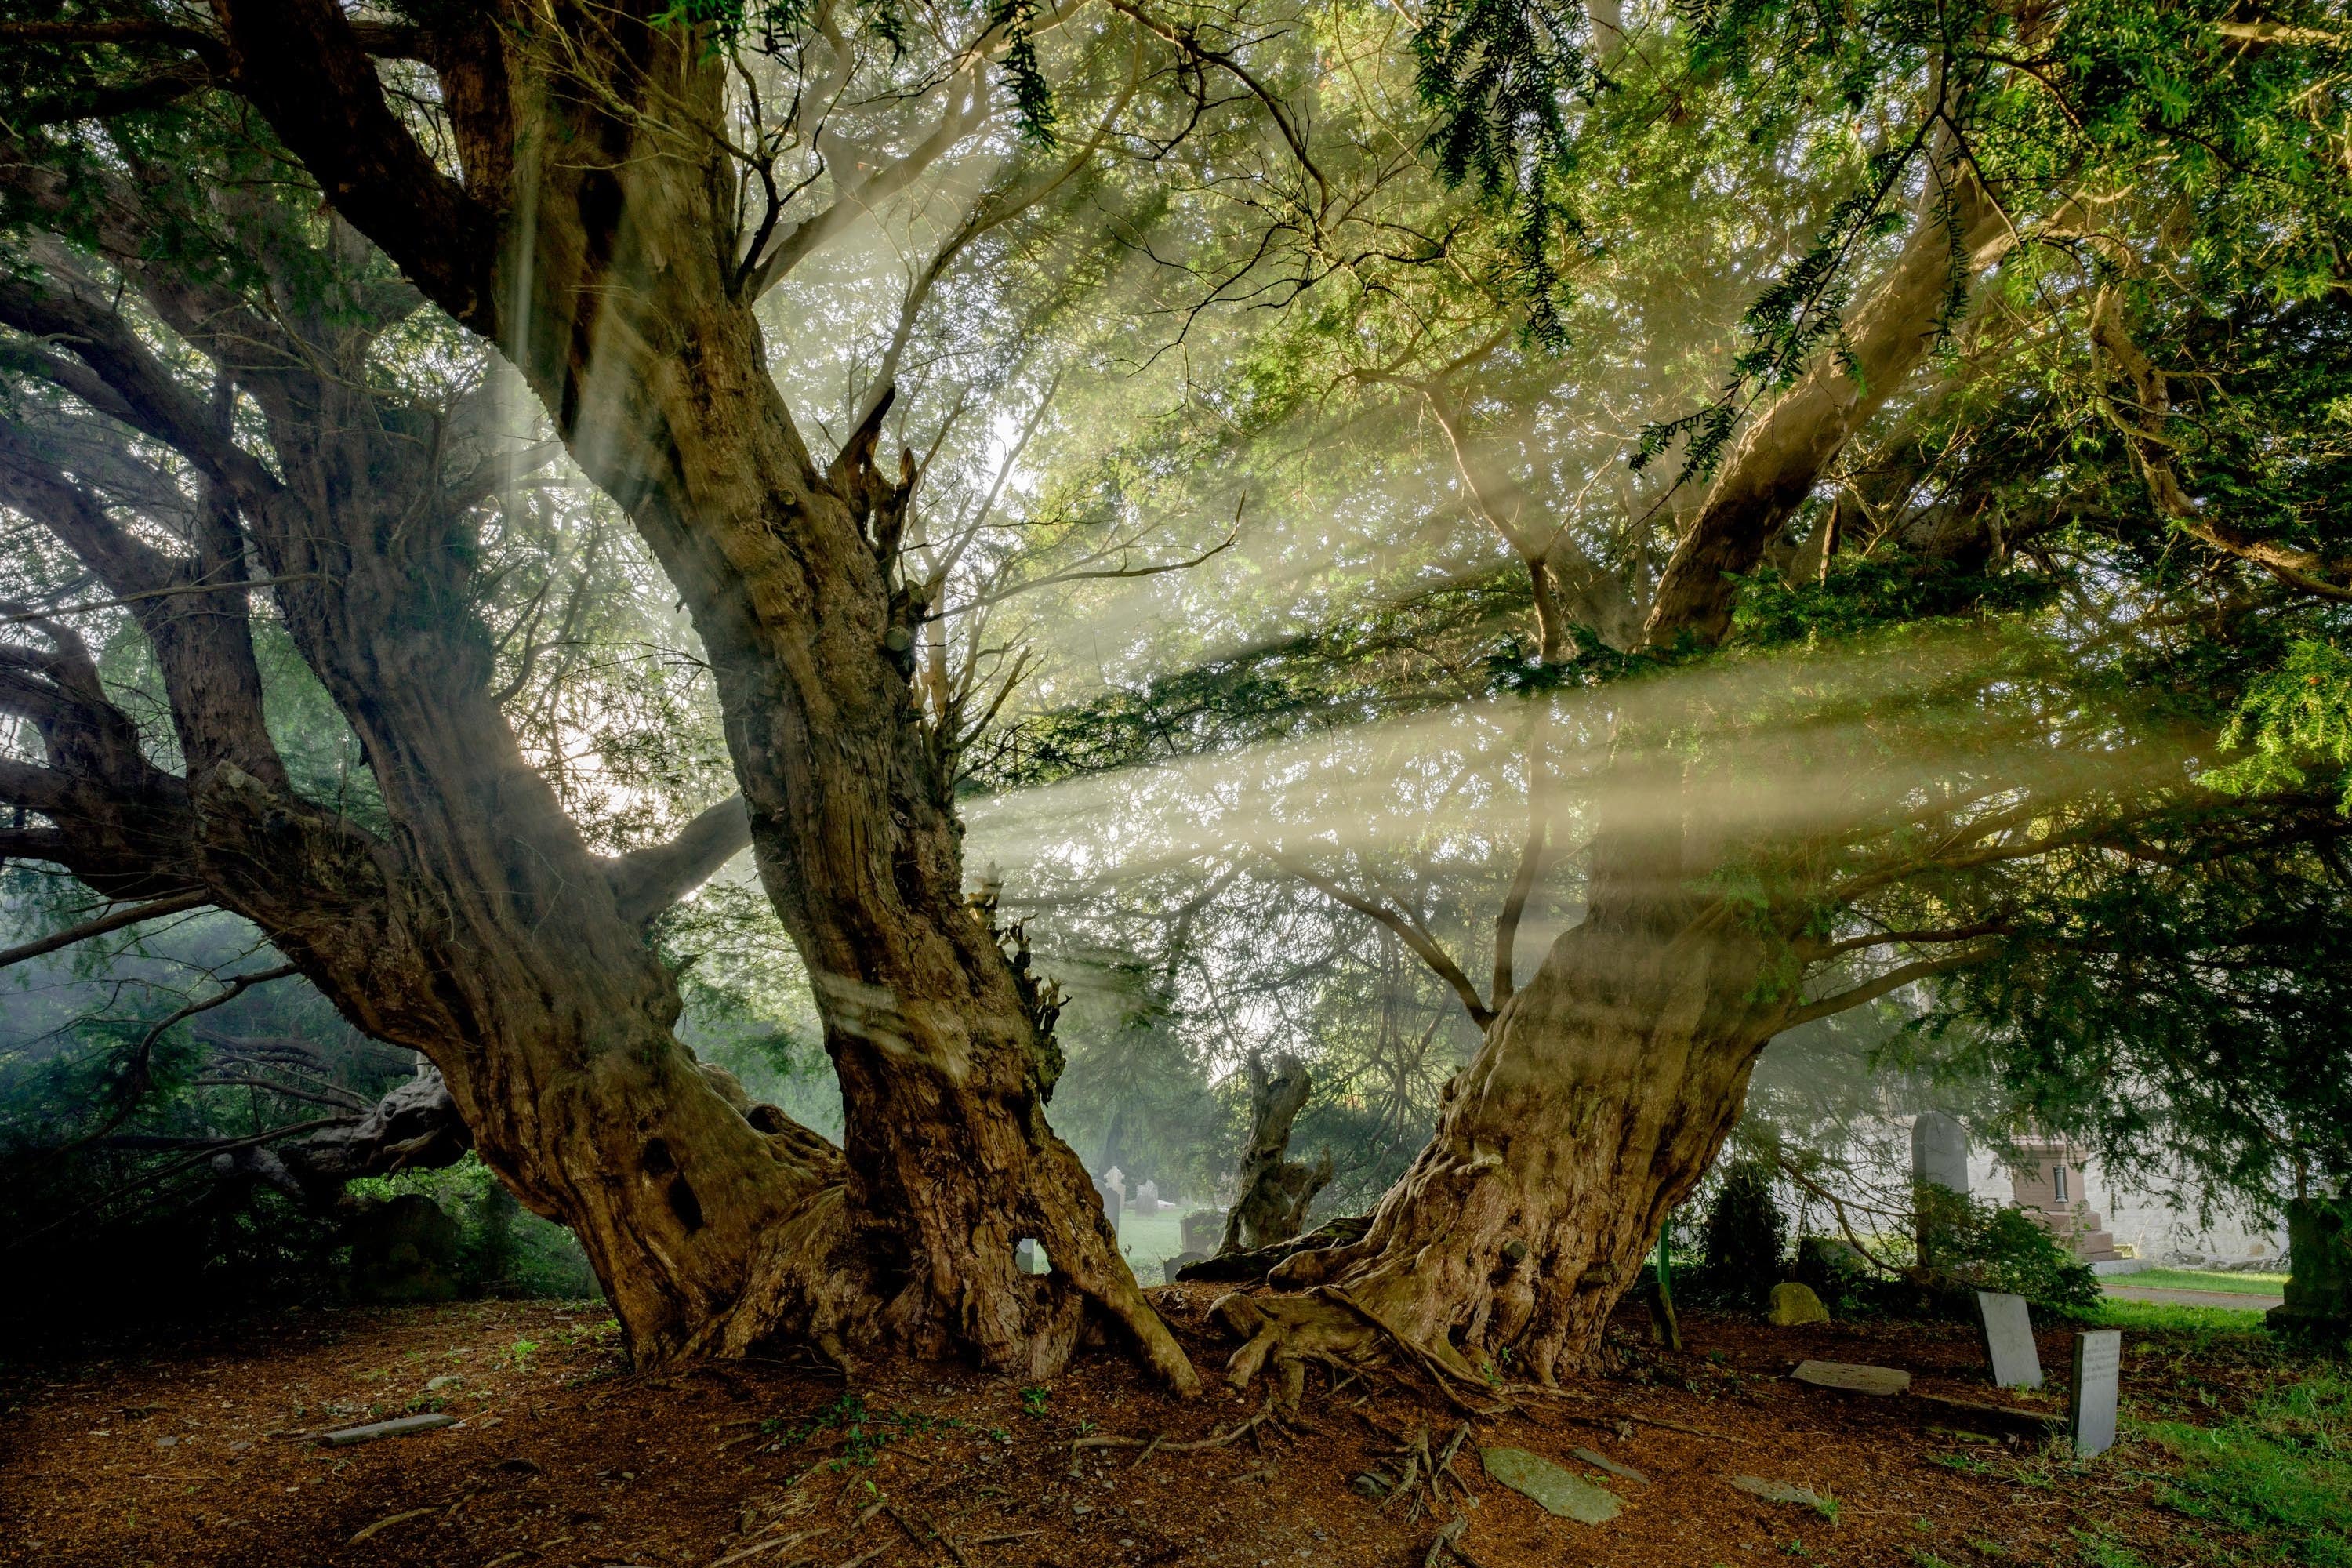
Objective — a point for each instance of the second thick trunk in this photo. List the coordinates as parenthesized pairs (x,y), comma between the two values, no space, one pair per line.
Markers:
(1603,1091)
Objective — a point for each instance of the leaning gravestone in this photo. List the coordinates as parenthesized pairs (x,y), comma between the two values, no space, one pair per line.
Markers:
(2008,1340)
(2098,1372)
(1852,1378)
(1569,1497)
(1204,1230)
(1171,1268)
(1112,1190)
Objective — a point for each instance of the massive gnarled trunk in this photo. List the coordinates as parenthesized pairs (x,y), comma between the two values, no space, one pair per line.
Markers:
(1606,1086)
(595,238)
(480,931)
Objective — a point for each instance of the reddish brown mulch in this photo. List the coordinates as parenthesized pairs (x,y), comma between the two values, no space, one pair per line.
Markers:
(179,1456)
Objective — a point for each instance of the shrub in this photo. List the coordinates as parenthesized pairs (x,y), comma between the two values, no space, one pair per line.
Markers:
(1971,1245)
(1745,1236)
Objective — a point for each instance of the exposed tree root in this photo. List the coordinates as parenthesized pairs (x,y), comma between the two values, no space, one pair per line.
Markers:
(1254,1263)
(1159,1443)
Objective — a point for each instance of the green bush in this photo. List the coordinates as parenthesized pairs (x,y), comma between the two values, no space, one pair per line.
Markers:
(507,1251)
(1746,1235)
(1971,1245)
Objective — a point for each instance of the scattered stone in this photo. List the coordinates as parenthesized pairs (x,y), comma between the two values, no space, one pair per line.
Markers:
(1603,1462)
(2008,1327)
(1792,1304)
(1851,1378)
(1561,1493)
(2098,1370)
(1781,1491)
(167,1442)
(1372,1485)
(399,1427)
(443,1381)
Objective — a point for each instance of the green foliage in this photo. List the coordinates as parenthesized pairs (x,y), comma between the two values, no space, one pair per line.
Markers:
(2276,1474)
(1993,1246)
(507,1251)
(1746,1235)
(2294,717)
(864,1434)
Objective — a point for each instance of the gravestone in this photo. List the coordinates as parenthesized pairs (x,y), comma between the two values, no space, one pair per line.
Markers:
(405,1250)
(1169,1268)
(2098,1373)
(1147,1199)
(2008,1340)
(2319,1281)
(1851,1378)
(1792,1304)
(1939,1151)
(1112,1189)
(1568,1496)
(1204,1230)
(1024,1256)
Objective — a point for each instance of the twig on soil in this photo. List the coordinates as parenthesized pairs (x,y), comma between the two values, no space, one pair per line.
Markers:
(1159,1443)
(1449,1539)
(937,1534)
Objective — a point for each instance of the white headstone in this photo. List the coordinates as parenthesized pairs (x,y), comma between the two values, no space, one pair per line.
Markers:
(1113,1180)
(1939,1151)
(2098,1372)
(2008,1340)
(1147,1198)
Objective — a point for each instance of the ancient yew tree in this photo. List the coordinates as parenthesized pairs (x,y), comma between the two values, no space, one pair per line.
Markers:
(1862,675)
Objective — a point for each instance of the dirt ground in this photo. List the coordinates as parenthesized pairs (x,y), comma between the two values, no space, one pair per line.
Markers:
(194,1453)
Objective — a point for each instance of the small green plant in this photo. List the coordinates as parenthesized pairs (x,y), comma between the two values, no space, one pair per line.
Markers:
(1922,1558)
(1033,1401)
(522,1353)
(864,1434)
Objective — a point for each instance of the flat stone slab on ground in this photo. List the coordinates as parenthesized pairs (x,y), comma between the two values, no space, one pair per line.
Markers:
(1781,1491)
(400,1427)
(1561,1493)
(1603,1462)
(1851,1377)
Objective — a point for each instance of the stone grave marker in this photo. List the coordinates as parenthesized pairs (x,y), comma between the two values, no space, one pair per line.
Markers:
(1791,1304)
(1204,1230)
(1147,1198)
(1939,1151)
(1531,1475)
(2098,1373)
(1112,1189)
(2008,1340)
(1169,1268)
(1851,1378)
(1024,1256)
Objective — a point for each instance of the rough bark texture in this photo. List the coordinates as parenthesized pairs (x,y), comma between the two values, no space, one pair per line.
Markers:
(480,931)
(617,284)
(1275,1190)
(1606,1086)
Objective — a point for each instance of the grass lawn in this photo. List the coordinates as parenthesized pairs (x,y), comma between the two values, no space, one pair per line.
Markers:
(2197,1279)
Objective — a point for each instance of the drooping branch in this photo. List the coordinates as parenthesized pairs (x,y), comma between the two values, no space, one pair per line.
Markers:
(113,920)
(1439,960)
(1893,980)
